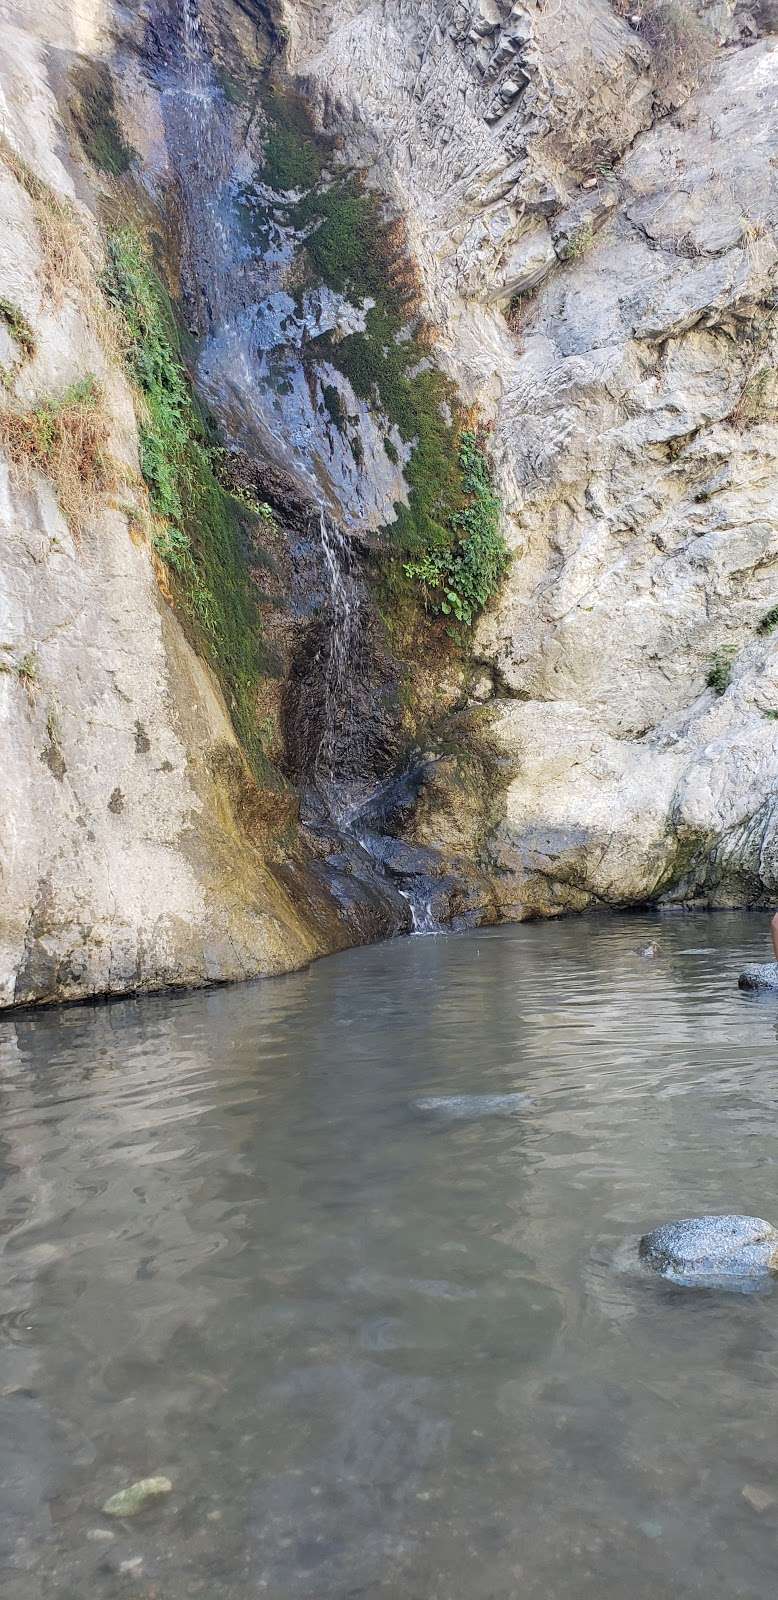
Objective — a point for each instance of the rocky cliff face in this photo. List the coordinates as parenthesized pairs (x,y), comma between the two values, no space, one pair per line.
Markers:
(591,202)
(138,847)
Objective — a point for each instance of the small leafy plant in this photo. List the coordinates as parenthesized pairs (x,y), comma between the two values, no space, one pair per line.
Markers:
(18,327)
(769,621)
(720,670)
(579,242)
(461,580)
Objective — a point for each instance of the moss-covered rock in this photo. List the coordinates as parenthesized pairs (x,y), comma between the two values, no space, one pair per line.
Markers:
(199,528)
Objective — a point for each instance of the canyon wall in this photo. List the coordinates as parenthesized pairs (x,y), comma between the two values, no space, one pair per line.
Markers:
(593,203)
(138,848)
(589,199)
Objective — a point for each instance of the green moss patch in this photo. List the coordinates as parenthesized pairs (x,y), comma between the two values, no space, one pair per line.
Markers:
(92,106)
(294,158)
(199,530)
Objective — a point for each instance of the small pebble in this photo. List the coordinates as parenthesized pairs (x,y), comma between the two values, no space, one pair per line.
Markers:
(131,1566)
(759,1499)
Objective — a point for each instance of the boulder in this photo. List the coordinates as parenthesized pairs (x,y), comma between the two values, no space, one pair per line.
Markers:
(712,1251)
(763,976)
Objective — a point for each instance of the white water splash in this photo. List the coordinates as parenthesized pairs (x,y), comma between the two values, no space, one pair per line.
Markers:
(422,915)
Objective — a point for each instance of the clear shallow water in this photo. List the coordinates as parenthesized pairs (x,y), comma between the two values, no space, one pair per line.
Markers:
(382,1350)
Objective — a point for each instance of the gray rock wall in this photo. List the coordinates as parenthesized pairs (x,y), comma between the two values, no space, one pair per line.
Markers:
(124,862)
(596,220)
(596,229)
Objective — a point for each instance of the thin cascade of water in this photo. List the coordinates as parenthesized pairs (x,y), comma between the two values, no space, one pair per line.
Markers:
(201,147)
(239,323)
(422,916)
(195,54)
(203,152)
(344,607)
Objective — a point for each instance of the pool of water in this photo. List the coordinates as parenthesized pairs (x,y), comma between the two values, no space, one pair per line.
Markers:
(385,1348)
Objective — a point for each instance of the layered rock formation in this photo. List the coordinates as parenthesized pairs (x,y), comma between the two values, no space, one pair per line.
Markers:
(137,848)
(591,200)
(594,205)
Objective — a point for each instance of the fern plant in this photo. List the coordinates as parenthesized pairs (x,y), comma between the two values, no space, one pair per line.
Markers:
(460,580)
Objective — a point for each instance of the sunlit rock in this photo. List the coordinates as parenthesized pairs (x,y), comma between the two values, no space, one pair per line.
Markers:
(712,1251)
(763,976)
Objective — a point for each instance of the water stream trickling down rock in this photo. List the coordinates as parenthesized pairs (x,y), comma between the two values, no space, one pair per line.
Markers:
(253,337)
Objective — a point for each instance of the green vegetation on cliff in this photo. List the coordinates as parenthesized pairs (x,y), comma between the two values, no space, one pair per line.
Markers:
(445,547)
(197,528)
(460,579)
(93,108)
(720,671)
(18,327)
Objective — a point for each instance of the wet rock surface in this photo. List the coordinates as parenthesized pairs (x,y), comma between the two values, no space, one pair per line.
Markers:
(712,1251)
(763,976)
(128,1502)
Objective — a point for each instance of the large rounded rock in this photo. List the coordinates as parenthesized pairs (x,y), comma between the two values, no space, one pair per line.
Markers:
(712,1250)
(764,976)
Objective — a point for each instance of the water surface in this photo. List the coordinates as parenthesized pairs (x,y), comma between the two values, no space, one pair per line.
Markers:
(385,1345)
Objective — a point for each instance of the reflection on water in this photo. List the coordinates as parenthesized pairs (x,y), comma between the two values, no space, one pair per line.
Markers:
(382,1350)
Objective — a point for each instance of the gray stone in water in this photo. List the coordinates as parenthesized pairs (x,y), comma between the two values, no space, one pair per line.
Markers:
(712,1251)
(131,1500)
(759,977)
(473,1105)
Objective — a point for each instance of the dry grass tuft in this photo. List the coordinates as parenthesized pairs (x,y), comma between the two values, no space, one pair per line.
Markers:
(62,254)
(67,440)
(65,262)
(758,398)
(681,48)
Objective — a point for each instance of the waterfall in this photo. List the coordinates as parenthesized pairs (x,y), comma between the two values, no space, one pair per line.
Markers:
(221,283)
(422,914)
(195,54)
(200,142)
(255,378)
(344,609)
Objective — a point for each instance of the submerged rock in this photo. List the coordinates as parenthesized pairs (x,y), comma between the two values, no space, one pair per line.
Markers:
(759,976)
(759,1499)
(127,1502)
(473,1105)
(648,950)
(712,1251)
